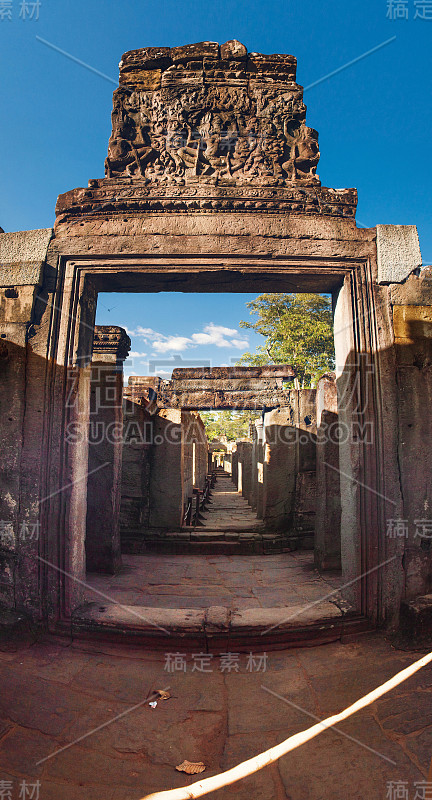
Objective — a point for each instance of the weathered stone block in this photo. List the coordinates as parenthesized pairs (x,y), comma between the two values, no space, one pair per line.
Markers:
(146,58)
(233,49)
(146,79)
(398,252)
(412,322)
(191,52)
(416,620)
(22,255)
(276,67)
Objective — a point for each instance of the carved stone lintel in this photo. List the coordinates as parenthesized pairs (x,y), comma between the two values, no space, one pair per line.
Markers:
(247,388)
(111,344)
(121,196)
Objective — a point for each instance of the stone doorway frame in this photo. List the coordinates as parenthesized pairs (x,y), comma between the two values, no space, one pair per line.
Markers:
(350,280)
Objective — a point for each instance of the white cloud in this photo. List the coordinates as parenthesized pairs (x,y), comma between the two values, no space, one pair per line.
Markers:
(215,335)
(147,333)
(211,336)
(174,343)
(134,354)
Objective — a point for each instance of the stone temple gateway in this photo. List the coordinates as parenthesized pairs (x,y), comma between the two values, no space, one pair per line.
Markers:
(211,185)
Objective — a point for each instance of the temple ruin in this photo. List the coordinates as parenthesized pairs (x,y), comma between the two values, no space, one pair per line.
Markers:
(211,185)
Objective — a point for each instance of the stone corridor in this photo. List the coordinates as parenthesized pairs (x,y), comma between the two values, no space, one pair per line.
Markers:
(209,580)
(228,510)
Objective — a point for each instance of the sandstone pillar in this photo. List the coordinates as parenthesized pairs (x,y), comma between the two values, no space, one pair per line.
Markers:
(257,468)
(234,467)
(166,471)
(280,468)
(328,501)
(244,450)
(110,348)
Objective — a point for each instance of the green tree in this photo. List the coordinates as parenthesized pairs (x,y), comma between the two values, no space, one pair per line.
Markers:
(232,424)
(298,330)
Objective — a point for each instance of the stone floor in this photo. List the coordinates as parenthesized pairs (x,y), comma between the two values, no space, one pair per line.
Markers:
(235,582)
(228,509)
(74,717)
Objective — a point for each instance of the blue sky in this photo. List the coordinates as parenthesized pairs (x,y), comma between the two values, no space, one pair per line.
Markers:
(374,117)
(195,329)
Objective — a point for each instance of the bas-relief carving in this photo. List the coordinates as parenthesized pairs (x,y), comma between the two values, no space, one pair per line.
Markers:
(212,121)
(208,128)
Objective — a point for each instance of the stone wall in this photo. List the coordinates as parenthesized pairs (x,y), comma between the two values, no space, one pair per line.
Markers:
(227,463)
(165,456)
(276,471)
(411,304)
(167,496)
(24,276)
(195,450)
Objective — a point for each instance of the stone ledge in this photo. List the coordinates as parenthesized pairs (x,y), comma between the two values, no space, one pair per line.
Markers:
(259,620)
(215,618)
(141,618)
(122,195)
(214,627)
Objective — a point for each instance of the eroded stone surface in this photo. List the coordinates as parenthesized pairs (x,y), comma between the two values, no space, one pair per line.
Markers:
(221,717)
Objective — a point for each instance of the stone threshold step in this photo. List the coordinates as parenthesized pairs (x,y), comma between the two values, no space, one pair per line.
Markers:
(202,536)
(158,533)
(215,626)
(223,547)
(236,545)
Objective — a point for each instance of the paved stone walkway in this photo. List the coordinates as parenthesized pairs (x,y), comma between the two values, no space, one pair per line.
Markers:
(228,509)
(235,582)
(56,692)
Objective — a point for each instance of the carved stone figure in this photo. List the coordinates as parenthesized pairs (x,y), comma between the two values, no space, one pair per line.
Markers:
(209,128)
(213,113)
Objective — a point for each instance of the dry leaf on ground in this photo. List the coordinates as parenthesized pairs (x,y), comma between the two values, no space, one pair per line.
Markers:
(163,695)
(190,768)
